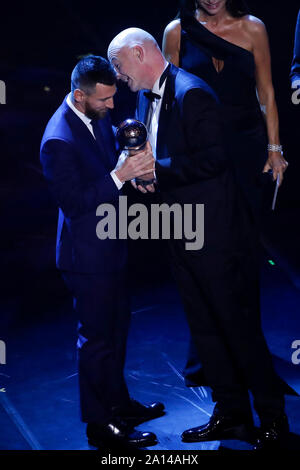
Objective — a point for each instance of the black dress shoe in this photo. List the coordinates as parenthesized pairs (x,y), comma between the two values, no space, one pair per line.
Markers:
(272,434)
(221,426)
(136,413)
(117,433)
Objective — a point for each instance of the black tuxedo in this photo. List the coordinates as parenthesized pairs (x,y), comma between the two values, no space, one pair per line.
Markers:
(77,168)
(192,168)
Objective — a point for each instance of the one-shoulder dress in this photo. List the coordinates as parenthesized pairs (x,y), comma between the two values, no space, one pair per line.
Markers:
(245,139)
(245,135)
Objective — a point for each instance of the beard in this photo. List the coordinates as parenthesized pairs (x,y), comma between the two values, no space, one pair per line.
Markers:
(93,114)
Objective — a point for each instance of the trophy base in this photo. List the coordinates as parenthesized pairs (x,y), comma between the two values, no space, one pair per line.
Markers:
(144,183)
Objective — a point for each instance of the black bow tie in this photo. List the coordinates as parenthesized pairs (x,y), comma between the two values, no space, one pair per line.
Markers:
(152,96)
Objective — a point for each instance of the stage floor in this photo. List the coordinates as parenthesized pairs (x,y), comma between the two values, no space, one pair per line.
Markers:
(38,386)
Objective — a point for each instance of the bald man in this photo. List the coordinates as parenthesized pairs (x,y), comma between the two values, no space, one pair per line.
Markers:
(181,113)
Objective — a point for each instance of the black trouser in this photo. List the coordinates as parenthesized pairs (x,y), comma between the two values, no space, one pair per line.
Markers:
(248,248)
(102,307)
(225,326)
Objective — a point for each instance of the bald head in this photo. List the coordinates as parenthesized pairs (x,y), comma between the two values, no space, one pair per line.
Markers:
(137,58)
(129,38)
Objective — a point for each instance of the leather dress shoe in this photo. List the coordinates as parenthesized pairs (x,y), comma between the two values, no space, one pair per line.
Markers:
(221,426)
(272,433)
(136,413)
(118,433)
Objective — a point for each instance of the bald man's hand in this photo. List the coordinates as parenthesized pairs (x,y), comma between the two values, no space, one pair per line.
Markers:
(150,188)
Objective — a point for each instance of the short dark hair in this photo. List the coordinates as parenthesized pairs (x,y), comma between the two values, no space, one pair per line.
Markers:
(92,70)
(236,8)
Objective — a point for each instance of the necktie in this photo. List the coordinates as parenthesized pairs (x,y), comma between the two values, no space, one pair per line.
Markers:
(101,140)
(97,133)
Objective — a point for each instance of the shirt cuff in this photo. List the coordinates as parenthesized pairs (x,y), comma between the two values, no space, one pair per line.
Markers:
(118,183)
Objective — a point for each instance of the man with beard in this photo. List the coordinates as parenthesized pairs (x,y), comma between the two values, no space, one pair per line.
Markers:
(79,160)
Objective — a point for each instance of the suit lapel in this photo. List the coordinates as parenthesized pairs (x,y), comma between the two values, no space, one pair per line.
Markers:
(102,151)
(108,140)
(144,105)
(166,109)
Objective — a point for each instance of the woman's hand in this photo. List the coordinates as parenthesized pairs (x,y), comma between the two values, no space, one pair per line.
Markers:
(277,164)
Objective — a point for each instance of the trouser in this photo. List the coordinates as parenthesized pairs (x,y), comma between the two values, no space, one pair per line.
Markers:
(226,329)
(249,265)
(101,305)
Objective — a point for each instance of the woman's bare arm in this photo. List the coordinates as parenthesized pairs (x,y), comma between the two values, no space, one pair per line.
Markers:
(171,42)
(265,89)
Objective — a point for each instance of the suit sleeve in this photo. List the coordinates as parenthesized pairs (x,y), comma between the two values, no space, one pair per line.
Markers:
(295,72)
(75,196)
(204,155)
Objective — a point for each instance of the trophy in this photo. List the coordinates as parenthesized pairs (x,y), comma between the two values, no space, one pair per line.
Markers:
(132,137)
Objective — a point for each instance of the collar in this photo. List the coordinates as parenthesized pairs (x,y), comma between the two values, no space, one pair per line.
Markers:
(81,115)
(159,85)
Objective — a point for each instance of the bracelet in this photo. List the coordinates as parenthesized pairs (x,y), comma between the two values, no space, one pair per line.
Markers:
(275,148)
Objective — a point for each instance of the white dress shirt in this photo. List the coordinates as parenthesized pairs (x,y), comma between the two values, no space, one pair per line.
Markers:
(87,122)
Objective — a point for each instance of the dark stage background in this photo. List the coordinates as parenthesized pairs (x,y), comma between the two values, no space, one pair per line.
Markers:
(40,44)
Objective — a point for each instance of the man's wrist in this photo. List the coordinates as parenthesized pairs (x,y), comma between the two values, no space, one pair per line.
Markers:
(115,174)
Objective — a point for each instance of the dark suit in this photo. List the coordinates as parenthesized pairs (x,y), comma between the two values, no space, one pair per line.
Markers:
(77,169)
(295,72)
(191,168)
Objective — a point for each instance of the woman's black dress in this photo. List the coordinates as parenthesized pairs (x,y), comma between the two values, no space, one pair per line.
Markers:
(245,136)
(243,123)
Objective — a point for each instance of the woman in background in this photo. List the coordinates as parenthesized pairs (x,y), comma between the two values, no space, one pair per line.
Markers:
(219,41)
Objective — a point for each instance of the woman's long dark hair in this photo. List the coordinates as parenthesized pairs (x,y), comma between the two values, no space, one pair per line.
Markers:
(236,8)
